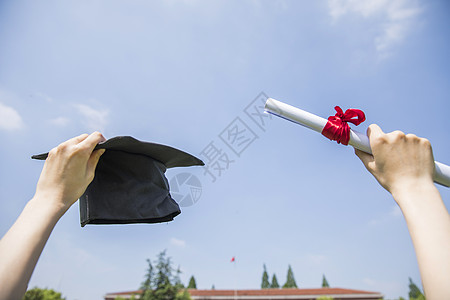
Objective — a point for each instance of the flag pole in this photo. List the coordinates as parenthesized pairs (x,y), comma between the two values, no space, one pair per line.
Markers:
(235,282)
(233,260)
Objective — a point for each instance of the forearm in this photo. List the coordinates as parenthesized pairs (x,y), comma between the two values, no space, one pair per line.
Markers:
(22,245)
(429,226)
(68,170)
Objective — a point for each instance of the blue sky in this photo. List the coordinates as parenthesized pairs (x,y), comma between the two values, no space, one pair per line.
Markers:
(178,73)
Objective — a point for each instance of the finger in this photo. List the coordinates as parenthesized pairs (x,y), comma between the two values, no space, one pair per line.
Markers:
(93,161)
(411,136)
(364,157)
(374,131)
(396,135)
(91,141)
(76,140)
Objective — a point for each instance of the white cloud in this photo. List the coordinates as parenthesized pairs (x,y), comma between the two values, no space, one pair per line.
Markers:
(59,121)
(9,118)
(94,119)
(387,286)
(366,8)
(177,242)
(394,213)
(370,281)
(281,4)
(80,257)
(395,17)
(42,96)
(316,259)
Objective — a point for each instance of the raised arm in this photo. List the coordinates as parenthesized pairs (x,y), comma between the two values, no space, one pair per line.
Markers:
(404,166)
(67,172)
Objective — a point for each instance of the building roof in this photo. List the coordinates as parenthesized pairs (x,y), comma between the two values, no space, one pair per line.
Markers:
(262,294)
(291,291)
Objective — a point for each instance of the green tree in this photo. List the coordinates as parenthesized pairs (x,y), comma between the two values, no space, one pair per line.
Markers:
(160,283)
(183,295)
(192,284)
(265,279)
(163,274)
(42,294)
(290,280)
(147,285)
(324,281)
(177,280)
(414,291)
(274,284)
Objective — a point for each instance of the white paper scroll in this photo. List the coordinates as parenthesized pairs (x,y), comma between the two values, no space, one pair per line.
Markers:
(357,139)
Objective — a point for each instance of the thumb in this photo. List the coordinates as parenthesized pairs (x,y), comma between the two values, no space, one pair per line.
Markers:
(365,158)
(93,161)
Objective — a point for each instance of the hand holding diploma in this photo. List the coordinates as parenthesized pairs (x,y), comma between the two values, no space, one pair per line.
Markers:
(356,139)
(403,165)
(398,161)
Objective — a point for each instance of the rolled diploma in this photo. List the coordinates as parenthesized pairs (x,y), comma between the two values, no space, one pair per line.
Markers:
(357,139)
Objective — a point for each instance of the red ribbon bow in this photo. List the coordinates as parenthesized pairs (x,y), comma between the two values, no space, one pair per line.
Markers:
(337,128)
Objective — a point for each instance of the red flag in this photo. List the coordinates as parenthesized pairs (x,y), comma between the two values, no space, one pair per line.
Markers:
(233,259)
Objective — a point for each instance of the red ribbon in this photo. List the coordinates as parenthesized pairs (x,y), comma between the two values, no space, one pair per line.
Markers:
(337,128)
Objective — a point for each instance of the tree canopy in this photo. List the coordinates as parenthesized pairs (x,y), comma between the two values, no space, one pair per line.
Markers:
(324,282)
(265,279)
(192,284)
(160,283)
(414,292)
(290,280)
(42,294)
(274,284)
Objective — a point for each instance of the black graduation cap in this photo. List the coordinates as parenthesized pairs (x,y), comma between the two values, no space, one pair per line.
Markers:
(130,185)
